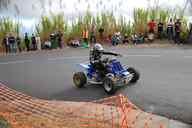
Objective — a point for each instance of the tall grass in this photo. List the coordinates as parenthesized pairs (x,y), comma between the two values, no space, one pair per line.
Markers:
(143,16)
(8,26)
(106,20)
(49,25)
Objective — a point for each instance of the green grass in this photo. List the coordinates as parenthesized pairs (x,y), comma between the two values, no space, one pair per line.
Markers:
(4,123)
(107,20)
(8,26)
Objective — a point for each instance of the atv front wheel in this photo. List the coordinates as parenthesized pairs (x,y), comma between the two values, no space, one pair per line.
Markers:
(79,79)
(135,74)
(109,85)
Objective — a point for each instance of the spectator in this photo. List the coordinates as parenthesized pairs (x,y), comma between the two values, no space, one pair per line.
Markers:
(160,30)
(190,35)
(6,44)
(34,43)
(101,31)
(113,40)
(141,38)
(18,40)
(75,43)
(151,26)
(47,45)
(27,42)
(170,29)
(125,39)
(12,43)
(60,35)
(177,31)
(134,38)
(137,39)
(85,36)
(92,35)
(116,39)
(38,39)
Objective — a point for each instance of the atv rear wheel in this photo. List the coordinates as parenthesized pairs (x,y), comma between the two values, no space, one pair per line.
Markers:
(109,85)
(79,79)
(135,73)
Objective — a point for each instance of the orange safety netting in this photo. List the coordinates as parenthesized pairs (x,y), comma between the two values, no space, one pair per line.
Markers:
(23,111)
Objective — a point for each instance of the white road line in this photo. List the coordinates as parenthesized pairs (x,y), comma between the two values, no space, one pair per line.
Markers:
(187,56)
(142,56)
(15,62)
(69,58)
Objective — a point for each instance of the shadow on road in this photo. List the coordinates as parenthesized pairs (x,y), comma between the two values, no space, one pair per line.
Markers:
(87,93)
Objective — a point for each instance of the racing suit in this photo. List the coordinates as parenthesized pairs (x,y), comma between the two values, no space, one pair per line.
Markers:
(98,64)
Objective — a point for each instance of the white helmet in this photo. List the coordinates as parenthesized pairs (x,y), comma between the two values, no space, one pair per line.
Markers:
(98,47)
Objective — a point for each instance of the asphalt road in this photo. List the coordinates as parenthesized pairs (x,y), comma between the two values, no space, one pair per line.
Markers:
(165,86)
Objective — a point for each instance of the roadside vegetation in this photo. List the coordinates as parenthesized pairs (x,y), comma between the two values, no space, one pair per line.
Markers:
(105,20)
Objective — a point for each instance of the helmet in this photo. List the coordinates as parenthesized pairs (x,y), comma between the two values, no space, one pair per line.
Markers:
(98,47)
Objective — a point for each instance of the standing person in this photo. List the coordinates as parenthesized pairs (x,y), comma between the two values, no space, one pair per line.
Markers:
(151,26)
(6,44)
(170,30)
(60,36)
(34,43)
(27,42)
(12,43)
(160,30)
(115,39)
(190,35)
(85,37)
(177,31)
(190,31)
(38,39)
(101,31)
(18,40)
(93,35)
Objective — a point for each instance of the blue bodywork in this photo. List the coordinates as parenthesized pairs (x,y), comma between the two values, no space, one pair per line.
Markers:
(114,67)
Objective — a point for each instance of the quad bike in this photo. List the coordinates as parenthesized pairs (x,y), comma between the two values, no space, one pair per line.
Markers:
(116,76)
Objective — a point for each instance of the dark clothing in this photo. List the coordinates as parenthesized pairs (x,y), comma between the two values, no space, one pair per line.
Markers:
(160,27)
(177,32)
(160,30)
(116,39)
(101,31)
(92,38)
(190,35)
(177,26)
(98,64)
(6,45)
(34,43)
(190,31)
(18,40)
(12,43)
(177,37)
(60,35)
(125,40)
(27,43)
(11,40)
(95,55)
(170,31)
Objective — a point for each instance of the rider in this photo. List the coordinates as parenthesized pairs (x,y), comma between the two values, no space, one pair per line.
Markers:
(95,59)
